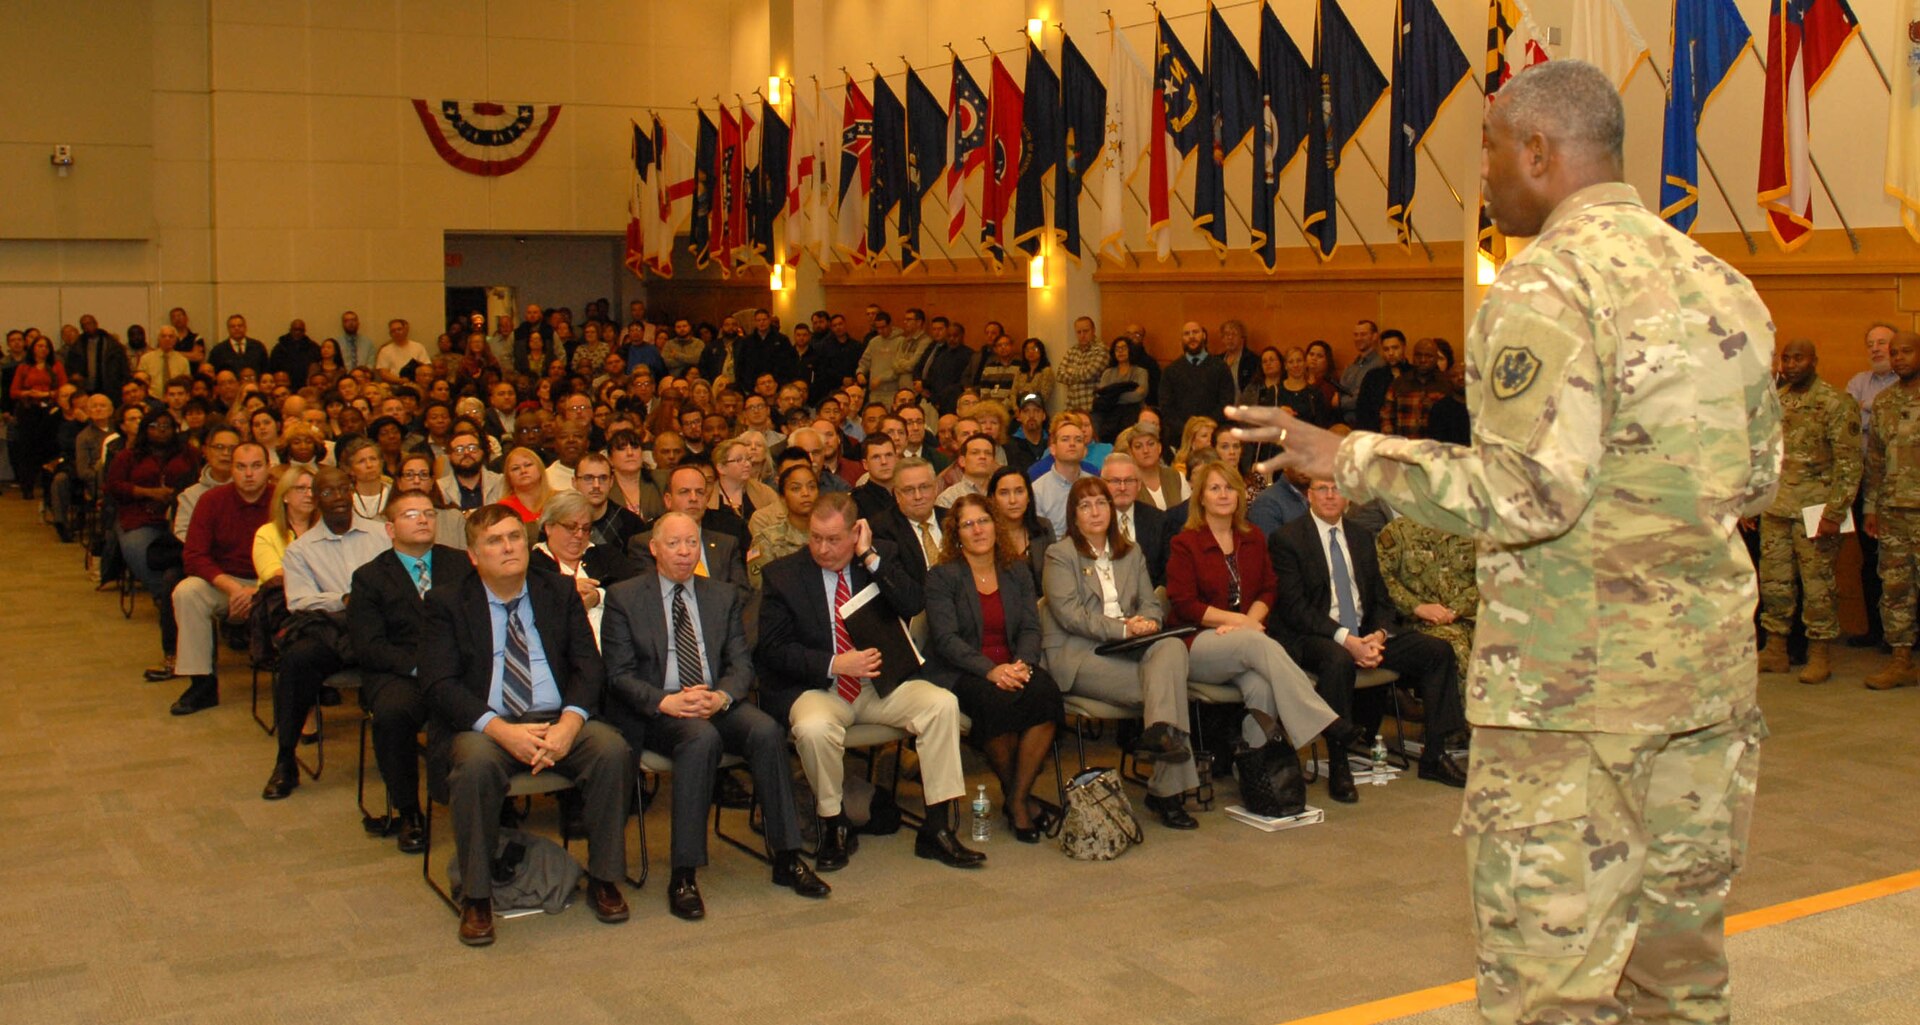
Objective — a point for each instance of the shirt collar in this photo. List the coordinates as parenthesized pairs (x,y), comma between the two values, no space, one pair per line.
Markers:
(495,600)
(667,584)
(1602,194)
(408,562)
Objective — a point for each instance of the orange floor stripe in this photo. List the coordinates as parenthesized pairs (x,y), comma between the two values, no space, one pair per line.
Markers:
(1436,997)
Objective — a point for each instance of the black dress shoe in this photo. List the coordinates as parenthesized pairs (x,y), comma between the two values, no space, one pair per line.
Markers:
(160,673)
(1340,784)
(476,923)
(791,871)
(280,785)
(1172,811)
(203,693)
(1163,742)
(683,898)
(946,848)
(1441,768)
(836,845)
(413,832)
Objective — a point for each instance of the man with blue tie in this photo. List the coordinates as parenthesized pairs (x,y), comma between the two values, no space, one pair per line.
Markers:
(678,666)
(513,678)
(1334,616)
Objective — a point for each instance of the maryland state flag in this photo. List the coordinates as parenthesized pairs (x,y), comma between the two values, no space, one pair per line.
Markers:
(1287,89)
(1350,85)
(926,158)
(1427,68)
(1005,113)
(1803,39)
(1083,115)
(1513,46)
(706,148)
(1709,36)
(1178,129)
(889,163)
(1230,109)
(1040,148)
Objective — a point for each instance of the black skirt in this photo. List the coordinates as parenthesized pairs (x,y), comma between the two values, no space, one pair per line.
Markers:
(997,712)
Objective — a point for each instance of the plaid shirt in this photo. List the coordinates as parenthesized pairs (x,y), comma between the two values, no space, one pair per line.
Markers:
(1078,372)
(1409,401)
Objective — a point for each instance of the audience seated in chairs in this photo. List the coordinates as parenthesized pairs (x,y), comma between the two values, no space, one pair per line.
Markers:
(1335,617)
(1028,533)
(1219,579)
(722,556)
(219,584)
(528,487)
(1098,591)
(678,669)
(1430,575)
(314,644)
(811,674)
(1141,524)
(143,480)
(416,477)
(912,527)
(360,457)
(780,529)
(513,678)
(568,550)
(468,484)
(987,652)
(613,524)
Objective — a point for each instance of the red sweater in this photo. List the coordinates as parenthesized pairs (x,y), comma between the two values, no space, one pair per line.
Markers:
(220,538)
(1197,575)
(129,471)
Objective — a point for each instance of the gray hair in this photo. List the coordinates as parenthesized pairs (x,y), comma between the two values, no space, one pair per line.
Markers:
(1568,101)
(565,505)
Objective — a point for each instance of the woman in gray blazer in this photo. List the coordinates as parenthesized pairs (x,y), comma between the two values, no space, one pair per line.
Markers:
(1097,591)
(987,651)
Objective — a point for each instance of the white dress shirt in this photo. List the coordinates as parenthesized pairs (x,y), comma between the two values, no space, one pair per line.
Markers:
(1333,595)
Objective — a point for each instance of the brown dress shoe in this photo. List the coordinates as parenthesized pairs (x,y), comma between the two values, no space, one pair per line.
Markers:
(476,923)
(608,905)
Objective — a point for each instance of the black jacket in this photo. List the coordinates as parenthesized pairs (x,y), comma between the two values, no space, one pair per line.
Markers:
(796,627)
(954,603)
(1306,584)
(456,658)
(386,615)
(1187,391)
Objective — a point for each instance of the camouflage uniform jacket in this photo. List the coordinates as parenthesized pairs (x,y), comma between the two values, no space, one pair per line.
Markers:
(1893,451)
(1421,565)
(1821,460)
(1624,419)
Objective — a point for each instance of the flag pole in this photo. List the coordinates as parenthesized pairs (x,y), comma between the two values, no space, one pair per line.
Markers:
(963,235)
(1814,162)
(1135,193)
(1448,182)
(1752,249)
(1875,58)
(1408,213)
(1355,225)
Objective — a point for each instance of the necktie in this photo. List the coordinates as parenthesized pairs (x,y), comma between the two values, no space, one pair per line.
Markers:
(1126,526)
(420,581)
(516,682)
(848,687)
(1343,584)
(927,544)
(686,643)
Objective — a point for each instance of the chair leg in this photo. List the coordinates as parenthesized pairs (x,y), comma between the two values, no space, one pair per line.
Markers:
(759,852)
(640,815)
(254,704)
(360,786)
(426,862)
(1397,751)
(319,747)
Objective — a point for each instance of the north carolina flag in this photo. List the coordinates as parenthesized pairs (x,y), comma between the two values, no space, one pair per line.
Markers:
(1178,128)
(1903,123)
(1709,37)
(1803,39)
(856,175)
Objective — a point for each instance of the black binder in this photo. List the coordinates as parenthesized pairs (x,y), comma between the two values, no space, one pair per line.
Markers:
(871,623)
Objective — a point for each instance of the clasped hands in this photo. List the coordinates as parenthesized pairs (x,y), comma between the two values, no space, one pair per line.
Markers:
(537,745)
(1011,675)
(701,702)
(1368,650)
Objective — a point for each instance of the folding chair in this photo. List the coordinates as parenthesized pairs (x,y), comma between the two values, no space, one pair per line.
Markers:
(653,763)
(520,784)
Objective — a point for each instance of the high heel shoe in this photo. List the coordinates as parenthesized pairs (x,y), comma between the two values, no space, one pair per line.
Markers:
(1024,834)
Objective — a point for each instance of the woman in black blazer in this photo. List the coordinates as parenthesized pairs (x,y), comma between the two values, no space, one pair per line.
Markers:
(986,649)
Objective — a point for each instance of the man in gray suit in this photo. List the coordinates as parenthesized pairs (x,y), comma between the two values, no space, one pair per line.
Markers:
(678,666)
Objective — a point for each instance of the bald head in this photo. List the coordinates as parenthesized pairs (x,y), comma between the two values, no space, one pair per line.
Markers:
(1798,361)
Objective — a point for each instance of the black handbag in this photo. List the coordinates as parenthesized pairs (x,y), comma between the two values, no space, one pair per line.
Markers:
(1271,780)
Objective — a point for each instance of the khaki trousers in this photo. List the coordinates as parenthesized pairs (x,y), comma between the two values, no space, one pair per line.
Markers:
(820,719)
(199,607)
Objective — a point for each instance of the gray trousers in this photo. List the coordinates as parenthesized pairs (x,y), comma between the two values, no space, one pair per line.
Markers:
(1266,677)
(695,745)
(197,605)
(601,767)
(1157,682)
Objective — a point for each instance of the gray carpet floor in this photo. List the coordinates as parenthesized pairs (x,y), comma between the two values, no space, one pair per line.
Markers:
(149,883)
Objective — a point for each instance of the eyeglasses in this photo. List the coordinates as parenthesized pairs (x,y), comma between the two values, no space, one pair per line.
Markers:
(1323,489)
(571,528)
(976,521)
(416,475)
(592,478)
(305,489)
(916,489)
(1122,482)
(413,515)
(464,449)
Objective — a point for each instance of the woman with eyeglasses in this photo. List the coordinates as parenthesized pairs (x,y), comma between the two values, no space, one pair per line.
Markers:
(293,514)
(736,485)
(983,610)
(1098,590)
(416,477)
(568,550)
(781,528)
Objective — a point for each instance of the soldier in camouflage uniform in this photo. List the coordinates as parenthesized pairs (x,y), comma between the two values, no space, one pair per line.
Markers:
(1429,573)
(1624,421)
(1821,464)
(1893,505)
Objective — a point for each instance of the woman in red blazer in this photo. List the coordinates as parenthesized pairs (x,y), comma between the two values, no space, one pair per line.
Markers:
(1219,579)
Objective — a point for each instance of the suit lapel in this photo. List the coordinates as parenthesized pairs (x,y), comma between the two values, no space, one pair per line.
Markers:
(713,622)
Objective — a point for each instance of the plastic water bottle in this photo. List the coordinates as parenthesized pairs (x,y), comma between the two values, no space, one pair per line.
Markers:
(982,815)
(1379,762)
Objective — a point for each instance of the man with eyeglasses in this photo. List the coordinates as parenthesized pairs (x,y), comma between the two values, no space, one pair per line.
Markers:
(613,524)
(913,526)
(319,567)
(1140,522)
(387,619)
(470,484)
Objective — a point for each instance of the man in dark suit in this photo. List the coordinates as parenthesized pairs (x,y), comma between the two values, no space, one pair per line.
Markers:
(1196,383)
(881,454)
(99,359)
(387,619)
(1335,617)
(678,667)
(723,555)
(237,351)
(812,676)
(1139,521)
(513,678)
(913,527)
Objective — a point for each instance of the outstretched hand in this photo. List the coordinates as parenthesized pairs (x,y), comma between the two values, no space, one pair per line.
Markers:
(1305,449)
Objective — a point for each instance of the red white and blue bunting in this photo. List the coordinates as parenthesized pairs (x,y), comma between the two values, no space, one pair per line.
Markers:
(484,137)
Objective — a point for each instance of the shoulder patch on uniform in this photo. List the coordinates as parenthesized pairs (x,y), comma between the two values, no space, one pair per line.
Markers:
(1514,369)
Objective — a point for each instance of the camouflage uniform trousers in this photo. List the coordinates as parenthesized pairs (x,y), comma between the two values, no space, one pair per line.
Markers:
(1784,549)
(1601,865)
(1899,561)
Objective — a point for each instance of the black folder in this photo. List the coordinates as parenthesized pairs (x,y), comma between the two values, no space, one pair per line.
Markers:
(871,623)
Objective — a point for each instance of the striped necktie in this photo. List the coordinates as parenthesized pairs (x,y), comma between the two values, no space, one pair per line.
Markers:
(848,687)
(516,682)
(421,582)
(686,642)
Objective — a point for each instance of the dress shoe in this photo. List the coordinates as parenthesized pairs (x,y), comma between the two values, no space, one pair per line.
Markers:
(1163,742)
(836,845)
(286,776)
(160,673)
(946,848)
(476,923)
(1441,768)
(203,693)
(608,905)
(413,832)
(683,898)
(1024,834)
(1172,811)
(1340,786)
(791,871)
(329,697)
